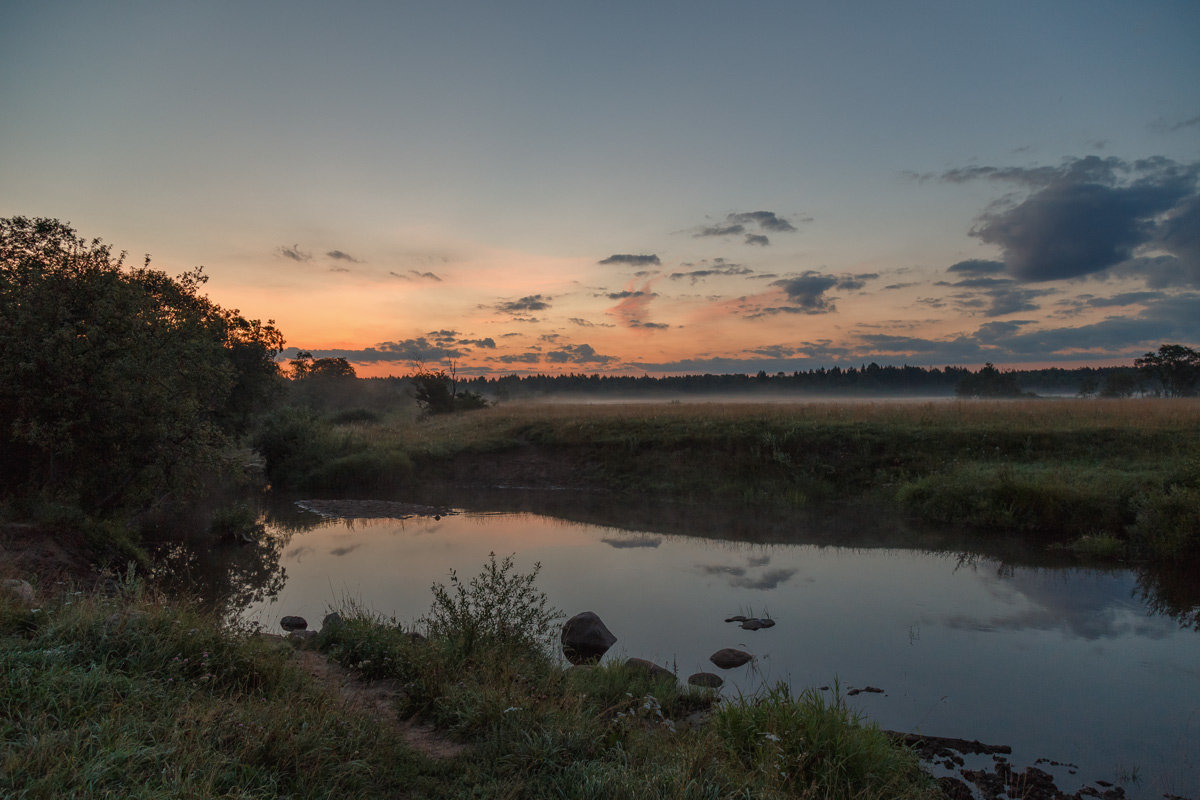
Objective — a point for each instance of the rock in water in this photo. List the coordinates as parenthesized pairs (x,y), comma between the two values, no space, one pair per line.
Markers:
(736,618)
(293,623)
(332,619)
(649,666)
(585,638)
(708,680)
(728,658)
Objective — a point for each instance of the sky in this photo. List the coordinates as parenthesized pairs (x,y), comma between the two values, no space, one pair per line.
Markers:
(630,188)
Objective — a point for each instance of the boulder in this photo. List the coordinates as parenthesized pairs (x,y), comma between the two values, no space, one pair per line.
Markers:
(332,619)
(728,658)
(642,665)
(736,618)
(19,590)
(293,623)
(585,638)
(708,680)
(752,624)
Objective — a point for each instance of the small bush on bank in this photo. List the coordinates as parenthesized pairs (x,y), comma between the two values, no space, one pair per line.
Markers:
(1168,523)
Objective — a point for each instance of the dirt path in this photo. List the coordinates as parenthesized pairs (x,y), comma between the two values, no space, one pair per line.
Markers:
(377,698)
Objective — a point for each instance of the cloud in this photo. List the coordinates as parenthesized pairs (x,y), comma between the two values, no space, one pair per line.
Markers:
(294,253)
(533,302)
(583,323)
(1090,214)
(1162,126)
(767,220)
(577,354)
(339,255)
(414,275)
(977,266)
(487,344)
(628,293)
(770,579)
(808,291)
(635,305)
(735,225)
(720,230)
(632,260)
(719,267)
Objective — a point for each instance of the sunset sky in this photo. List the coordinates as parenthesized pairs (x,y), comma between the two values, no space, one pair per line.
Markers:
(634,187)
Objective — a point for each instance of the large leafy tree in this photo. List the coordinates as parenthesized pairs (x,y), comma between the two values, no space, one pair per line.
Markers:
(1175,367)
(116,382)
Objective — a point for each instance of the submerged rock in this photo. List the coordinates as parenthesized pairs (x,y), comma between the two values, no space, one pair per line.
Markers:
(293,623)
(737,618)
(585,638)
(728,658)
(708,680)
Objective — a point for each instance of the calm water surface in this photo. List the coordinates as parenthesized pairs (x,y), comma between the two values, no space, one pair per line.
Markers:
(1060,663)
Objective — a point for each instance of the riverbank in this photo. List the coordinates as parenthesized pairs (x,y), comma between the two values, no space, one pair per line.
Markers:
(126,693)
(1109,478)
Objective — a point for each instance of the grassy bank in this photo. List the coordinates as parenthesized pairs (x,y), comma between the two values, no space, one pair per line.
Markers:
(1126,471)
(128,695)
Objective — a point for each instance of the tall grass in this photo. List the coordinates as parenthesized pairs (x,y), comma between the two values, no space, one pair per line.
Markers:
(1057,467)
(131,696)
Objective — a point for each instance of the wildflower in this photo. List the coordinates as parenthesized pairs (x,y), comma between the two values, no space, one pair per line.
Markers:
(770,737)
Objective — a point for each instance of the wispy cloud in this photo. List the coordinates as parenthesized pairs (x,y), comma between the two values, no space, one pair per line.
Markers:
(533,302)
(340,255)
(294,253)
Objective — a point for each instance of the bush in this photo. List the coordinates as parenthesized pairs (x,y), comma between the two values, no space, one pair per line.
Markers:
(1168,523)
(498,610)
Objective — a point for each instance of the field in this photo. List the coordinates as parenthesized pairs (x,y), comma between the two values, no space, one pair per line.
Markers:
(1118,478)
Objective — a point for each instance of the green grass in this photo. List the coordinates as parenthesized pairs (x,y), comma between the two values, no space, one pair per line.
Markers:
(131,696)
(1057,468)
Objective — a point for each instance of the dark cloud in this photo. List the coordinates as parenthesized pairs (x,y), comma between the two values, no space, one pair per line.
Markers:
(1090,214)
(583,323)
(977,266)
(808,291)
(1162,126)
(414,275)
(632,260)
(294,253)
(533,302)
(339,255)
(720,230)
(709,269)
(520,358)
(629,293)
(767,220)
(658,326)
(338,269)
(487,344)
(735,225)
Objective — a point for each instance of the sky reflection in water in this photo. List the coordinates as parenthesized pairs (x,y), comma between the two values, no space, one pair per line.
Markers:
(1065,664)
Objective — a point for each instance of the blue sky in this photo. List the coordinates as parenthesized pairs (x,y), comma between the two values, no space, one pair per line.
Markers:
(663,187)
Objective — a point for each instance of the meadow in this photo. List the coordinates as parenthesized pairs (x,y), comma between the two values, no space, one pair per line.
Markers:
(1113,478)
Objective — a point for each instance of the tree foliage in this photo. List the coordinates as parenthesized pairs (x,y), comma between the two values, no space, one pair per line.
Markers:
(1176,369)
(988,382)
(437,392)
(116,382)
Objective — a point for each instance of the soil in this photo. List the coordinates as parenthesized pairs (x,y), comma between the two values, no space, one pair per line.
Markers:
(34,553)
(378,698)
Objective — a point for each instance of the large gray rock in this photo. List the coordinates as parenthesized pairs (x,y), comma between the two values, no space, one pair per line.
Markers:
(655,671)
(728,658)
(585,638)
(293,623)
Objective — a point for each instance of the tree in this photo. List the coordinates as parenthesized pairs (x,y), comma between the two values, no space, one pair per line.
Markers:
(305,367)
(115,382)
(436,392)
(988,382)
(1175,367)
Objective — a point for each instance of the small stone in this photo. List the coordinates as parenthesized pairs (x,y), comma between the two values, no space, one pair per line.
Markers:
(18,589)
(293,623)
(728,658)
(655,670)
(708,680)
